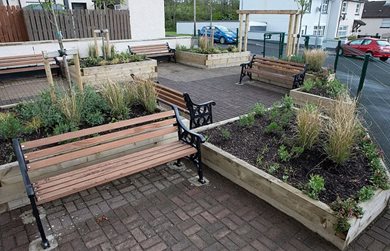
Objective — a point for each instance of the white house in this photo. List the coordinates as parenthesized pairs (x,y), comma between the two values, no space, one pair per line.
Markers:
(376,15)
(328,19)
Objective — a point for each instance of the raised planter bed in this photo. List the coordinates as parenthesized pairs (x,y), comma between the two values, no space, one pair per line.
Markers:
(209,61)
(302,98)
(314,214)
(97,75)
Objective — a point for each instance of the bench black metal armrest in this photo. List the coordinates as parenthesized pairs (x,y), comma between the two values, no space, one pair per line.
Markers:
(245,64)
(132,53)
(23,168)
(192,138)
(200,114)
(172,50)
(299,78)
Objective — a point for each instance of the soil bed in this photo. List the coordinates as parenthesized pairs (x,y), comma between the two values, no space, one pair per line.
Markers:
(247,142)
(7,154)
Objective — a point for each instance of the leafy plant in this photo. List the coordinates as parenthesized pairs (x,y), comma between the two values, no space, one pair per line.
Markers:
(64,128)
(308,126)
(308,85)
(335,88)
(94,107)
(260,157)
(225,133)
(345,209)
(296,151)
(286,174)
(273,128)
(366,193)
(315,186)
(10,126)
(114,95)
(341,130)
(247,120)
(273,168)
(295,59)
(315,59)
(258,110)
(287,102)
(283,154)
(34,125)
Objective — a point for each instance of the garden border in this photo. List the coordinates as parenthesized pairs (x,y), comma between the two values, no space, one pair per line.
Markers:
(315,215)
(210,61)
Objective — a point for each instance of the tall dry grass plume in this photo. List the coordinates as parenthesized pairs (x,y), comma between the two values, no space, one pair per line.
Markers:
(143,92)
(70,105)
(315,59)
(309,124)
(342,129)
(204,43)
(114,94)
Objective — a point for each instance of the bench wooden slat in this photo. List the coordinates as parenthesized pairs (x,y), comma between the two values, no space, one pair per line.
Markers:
(24,69)
(82,144)
(95,130)
(97,149)
(281,61)
(289,67)
(166,88)
(94,171)
(21,57)
(170,101)
(164,92)
(271,75)
(285,64)
(125,170)
(41,184)
(276,68)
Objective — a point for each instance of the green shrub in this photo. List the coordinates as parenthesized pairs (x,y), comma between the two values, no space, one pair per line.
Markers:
(64,128)
(225,133)
(366,193)
(273,168)
(33,126)
(308,85)
(71,105)
(283,154)
(315,186)
(247,120)
(287,102)
(315,59)
(335,89)
(295,59)
(10,126)
(94,107)
(309,124)
(114,95)
(273,128)
(259,110)
(345,209)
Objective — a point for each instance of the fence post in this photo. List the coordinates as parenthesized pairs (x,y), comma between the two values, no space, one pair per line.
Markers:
(336,61)
(363,75)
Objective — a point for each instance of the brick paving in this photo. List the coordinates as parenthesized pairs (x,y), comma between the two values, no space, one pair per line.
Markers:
(159,209)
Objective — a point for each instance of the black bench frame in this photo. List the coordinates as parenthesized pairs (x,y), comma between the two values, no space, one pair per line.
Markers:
(297,82)
(184,134)
(200,114)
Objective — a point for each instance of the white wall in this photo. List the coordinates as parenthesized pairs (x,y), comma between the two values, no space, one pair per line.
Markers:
(147,19)
(36,47)
(372,27)
(188,27)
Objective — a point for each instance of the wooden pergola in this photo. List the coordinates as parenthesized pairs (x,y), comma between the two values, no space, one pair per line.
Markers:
(293,27)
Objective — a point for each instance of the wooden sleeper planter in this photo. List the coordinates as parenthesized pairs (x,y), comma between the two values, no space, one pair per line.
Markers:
(301,98)
(209,61)
(98,75)
(315,215)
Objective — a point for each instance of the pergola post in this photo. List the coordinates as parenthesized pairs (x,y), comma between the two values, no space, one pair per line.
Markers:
(246,32)
(240,33)
(296,34)
(49,76)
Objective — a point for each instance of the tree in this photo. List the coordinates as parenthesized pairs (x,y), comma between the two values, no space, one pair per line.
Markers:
(303,7)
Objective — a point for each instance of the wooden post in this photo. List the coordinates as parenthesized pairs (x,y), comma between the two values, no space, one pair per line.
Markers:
(246,32)
(96,43)
(49,77)
(79,79)
(107,36)
(240,33)
(290,36)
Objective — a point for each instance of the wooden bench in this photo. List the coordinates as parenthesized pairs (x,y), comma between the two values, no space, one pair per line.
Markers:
(284,74)
(199,114)
(24,63)
(57,150)
(154,51)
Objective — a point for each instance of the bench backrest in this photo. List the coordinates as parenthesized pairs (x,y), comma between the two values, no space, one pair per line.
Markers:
(170,96)
(149,49)
(20,61)
(54,150)
(279,66)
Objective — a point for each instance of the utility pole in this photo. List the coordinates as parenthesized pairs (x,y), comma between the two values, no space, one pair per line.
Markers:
(195,18)
(211,23)
(319,23)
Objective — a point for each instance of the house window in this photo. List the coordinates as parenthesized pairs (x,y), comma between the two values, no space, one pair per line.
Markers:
(304,30)
(344,7)
(385,23)
(324,7)
(343,30)
(357,10)
(319,30)
(79,6)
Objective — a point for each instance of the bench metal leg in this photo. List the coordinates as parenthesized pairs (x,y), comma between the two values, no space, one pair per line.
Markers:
(45,242)
(242,75)
(200,172)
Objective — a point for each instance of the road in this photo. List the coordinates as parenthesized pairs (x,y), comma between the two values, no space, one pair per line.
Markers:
(375,97)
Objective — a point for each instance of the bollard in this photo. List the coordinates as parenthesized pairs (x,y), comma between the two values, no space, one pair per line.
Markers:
(363,75)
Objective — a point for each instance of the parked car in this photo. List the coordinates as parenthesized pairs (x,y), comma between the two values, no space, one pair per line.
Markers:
(358,47)
(221,34)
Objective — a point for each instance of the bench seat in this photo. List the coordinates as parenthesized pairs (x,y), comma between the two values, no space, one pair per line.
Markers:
(281,73)
(24,63)
(154,51)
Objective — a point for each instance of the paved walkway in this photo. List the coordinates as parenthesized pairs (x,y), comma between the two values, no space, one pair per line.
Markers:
(160,209)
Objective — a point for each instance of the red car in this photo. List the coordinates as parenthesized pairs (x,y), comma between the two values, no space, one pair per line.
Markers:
(376,47)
